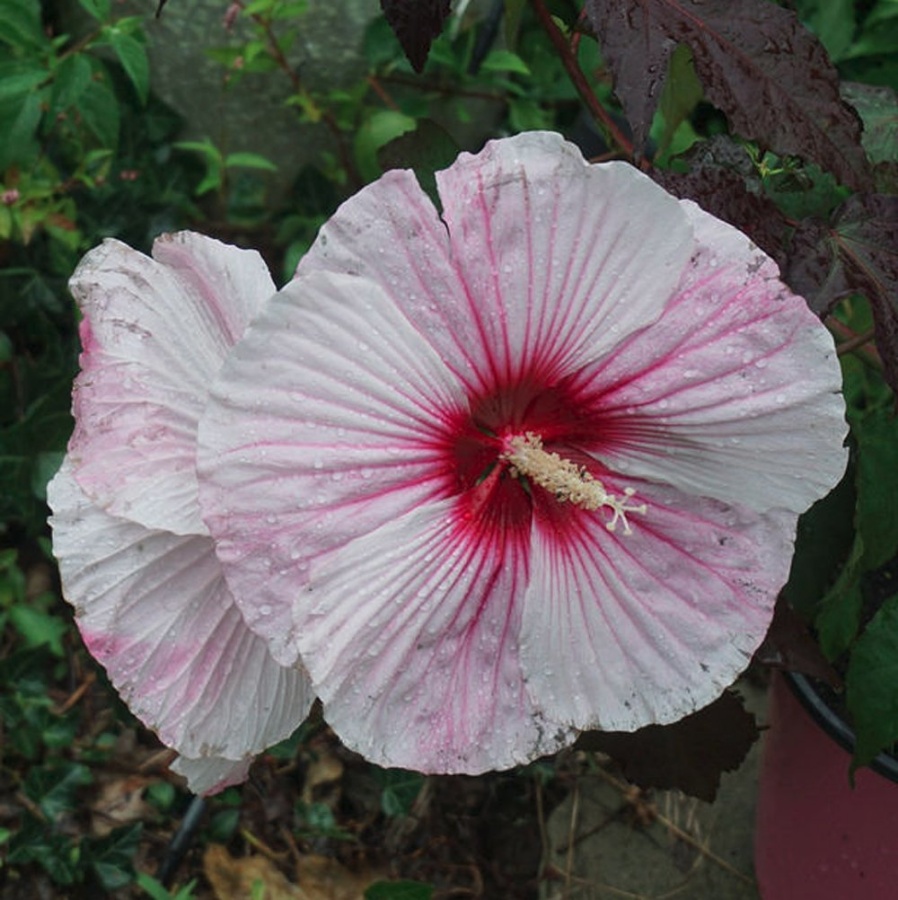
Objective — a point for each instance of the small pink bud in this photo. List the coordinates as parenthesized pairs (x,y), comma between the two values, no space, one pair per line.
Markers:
(230,17)
(9,197)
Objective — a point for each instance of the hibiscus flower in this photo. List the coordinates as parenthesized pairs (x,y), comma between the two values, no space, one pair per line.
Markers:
(136,560)
(523,465)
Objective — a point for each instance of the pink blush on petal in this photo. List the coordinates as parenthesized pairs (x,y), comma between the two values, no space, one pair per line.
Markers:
(89,343)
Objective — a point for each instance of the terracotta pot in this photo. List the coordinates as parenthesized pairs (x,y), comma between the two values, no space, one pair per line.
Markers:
(816,837)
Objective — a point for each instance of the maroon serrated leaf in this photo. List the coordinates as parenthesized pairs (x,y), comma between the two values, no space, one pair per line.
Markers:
(815,269)
(416,23)
(689,755)
(790,645)
(757,63)
(858,251)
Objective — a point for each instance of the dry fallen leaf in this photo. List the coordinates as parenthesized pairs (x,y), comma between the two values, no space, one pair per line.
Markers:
(119,802)
(322,778)
(237,879)
(320,878)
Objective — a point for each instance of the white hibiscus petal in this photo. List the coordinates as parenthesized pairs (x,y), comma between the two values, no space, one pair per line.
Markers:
(155,332)
(734,392)
(390,233)
(548,262)
(411,636)
(326,423)
(625,630)
(211,774)
(153,608)
(560,260)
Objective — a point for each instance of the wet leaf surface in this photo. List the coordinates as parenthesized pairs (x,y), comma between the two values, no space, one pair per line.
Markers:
(416,23)
(690,754)
(757,63)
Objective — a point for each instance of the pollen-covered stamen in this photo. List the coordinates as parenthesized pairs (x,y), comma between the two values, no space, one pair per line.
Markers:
(569,482)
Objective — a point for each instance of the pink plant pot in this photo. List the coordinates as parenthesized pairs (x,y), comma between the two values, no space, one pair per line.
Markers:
(817,838)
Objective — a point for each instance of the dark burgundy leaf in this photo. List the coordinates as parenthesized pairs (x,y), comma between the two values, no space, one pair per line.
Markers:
(757,63)
(815,269)
(857,252)
(689,755)
(425,150)
(416,23)
(789,645)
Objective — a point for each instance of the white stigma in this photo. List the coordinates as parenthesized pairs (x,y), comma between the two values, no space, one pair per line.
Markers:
(569,482)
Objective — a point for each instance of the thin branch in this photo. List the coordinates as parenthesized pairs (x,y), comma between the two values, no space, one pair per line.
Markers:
(277,54)
(852,342)
(602,118)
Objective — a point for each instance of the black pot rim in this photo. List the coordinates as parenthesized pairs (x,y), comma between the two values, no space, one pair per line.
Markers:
(834,725)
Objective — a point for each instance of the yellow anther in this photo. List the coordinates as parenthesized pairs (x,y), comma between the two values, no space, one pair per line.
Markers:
(569,482)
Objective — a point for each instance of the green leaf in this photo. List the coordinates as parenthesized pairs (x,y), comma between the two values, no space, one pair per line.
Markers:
(839,616)
(211,181)
(70,81)
(55,788)
(878,37)
(38,628)
(132,55)
(259,7)
(19,122)
(681,93)
(34,842)
(871,686)
(101,10)
(206,147)
(505,61)
(20,24)
(878,109)
(399,890)
(425,150)
(292,10)
(833,21)
(158,891)
(15,80)
(399,789)
(249,161)
(111,858)
(100,111)
(824,542)
(378,129)
(877,486)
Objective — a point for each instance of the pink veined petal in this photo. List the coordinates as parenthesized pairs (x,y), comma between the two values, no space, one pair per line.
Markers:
(153,608)
(411,636)
(211,774)
(323,425)
(734,393)
(548,262)
(155,332)
(621,631)
(560,259)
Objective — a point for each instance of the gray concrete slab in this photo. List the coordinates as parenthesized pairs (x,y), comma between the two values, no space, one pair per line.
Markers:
(608,841)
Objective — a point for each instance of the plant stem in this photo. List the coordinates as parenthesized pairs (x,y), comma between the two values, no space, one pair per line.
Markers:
(277,54)
(854,342)
(602,118)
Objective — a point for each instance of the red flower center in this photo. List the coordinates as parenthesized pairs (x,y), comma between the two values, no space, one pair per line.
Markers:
(498,488)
